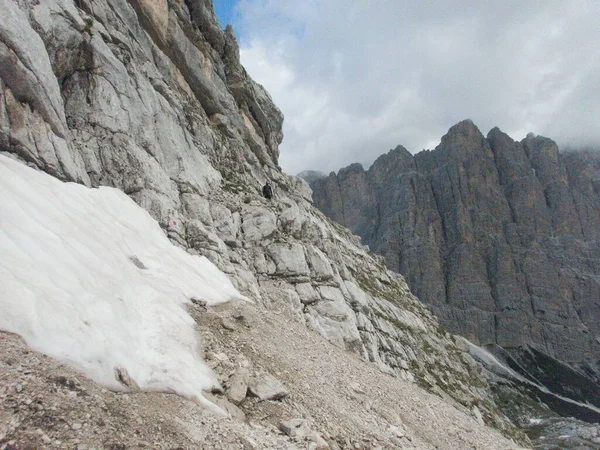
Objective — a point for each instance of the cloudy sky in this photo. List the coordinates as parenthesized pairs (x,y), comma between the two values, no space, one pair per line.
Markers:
(355,78)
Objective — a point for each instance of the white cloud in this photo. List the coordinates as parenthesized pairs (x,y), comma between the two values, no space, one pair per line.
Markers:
(355,79)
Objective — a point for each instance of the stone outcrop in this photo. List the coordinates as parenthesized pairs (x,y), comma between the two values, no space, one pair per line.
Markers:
(148,96)
(500,238)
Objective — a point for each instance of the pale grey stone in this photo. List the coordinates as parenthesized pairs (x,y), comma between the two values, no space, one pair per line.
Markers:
(477,414)
(248,443)
(25,67)
(226,223)
(199,237)
(258,224)
(291,220)
(307,293)
(238,385)
(318,263)
(295,428)
(197,208)
(229,408)
(289,259)
(363,323)
(331,294)
(228,324)
(267,387)
(335,325)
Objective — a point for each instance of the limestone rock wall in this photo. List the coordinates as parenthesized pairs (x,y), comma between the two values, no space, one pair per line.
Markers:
(149,96)
(500,238)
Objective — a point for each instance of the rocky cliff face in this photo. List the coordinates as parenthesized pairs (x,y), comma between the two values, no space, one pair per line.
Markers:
(500,238)
(149,96)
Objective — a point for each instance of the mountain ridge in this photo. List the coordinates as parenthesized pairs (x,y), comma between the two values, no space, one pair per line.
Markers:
(148,97)
(498,237)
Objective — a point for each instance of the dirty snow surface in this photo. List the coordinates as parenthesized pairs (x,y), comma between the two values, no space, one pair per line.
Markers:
(88,277)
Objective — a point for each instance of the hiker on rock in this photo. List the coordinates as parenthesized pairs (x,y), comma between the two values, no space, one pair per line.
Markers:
(267,191)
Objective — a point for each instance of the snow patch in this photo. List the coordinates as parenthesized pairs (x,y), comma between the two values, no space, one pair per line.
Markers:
(491,361)
(88,277)
(500,368)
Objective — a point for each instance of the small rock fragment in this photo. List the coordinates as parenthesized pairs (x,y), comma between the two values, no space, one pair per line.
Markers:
(317,439)
(238,386)
(228,324)
(233,411)
(198,301)
(267,388)
(397,431)
(356,388)
(217,389)
(123,377)
(221,357)
(295,428)
(478,416)
(333,445)
(241,318)
(248,443)
(136,261)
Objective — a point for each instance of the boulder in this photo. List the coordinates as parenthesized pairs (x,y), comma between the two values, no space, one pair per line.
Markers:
(267,387)
(299,430)
(238,385)
(226,406)
(295,428)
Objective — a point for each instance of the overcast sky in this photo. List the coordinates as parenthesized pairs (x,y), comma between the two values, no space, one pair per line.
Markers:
(356,78)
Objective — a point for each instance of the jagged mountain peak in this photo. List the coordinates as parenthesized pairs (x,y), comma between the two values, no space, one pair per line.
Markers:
(490,233)
(399,153)
(497,134)
(540,147)
(352,168)
(397,160)
(464,134)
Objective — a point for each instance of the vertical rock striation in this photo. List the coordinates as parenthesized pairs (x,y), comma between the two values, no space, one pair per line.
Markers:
(500,238)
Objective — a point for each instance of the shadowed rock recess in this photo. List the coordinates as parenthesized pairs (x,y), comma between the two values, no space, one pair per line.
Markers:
(500,238)
(148,96)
